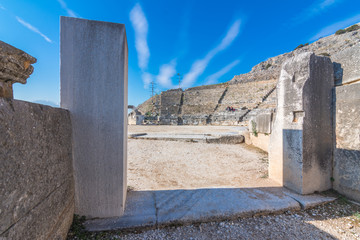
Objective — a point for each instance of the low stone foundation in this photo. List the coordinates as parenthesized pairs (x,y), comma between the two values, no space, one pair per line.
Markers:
(36,187)
(347,141)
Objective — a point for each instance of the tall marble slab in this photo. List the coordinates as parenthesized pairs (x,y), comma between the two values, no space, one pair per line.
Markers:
(94,83)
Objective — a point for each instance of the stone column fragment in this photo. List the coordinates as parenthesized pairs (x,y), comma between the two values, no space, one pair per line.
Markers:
(94,62)
(15,66)
(300,154)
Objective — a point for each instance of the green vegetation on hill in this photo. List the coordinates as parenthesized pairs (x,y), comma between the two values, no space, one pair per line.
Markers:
(349,29)
(301,45)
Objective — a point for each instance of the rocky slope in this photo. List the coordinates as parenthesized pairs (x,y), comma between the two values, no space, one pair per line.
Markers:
(327,46)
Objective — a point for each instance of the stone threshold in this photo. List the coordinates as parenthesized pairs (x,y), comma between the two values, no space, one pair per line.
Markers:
(152,209)
(230,138)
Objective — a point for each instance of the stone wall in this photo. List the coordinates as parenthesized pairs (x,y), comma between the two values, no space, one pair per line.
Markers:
(36,187)
(207,104)
(170,102)
(249,99)
(248,95)
(202,100)
(347,141)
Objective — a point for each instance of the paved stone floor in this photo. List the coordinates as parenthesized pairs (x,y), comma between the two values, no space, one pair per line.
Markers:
(336,220)
(164,208)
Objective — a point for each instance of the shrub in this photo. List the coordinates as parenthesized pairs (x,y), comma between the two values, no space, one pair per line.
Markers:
(325,54)
(301,45)
(340,31)
(349,29)
(268,65)
(353,28)
(253,123)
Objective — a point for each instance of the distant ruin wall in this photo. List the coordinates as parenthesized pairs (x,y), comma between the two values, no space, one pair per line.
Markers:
(170,106)
(201,100)
(36,187)
(170,102)
(347,141)
(248,95)
(208,104)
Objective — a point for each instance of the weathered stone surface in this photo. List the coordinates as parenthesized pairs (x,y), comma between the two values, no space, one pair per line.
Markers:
(170,102)
(15,66)
(161,208)
(329,46)
(139,119)
(202,100)
(309,201)
(347,146)
(261,123)
(347,65)
(232,139)
(300,152)
(207,104)
(49,220)
(261,141)
(140,212)
(94,63)
(36,184)
(6,89)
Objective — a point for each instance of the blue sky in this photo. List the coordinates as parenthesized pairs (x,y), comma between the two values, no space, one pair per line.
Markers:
(206,41)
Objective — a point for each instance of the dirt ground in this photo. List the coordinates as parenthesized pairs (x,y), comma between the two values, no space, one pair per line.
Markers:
(164,165)
(161,165)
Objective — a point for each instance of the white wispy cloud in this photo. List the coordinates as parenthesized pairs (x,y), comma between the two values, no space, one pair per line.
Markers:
(314,9)
(213,78)
(2,7)
(140,25)
(32,28)
(147,79)
(336,26)
(199,66)
(166,72)
(70,12)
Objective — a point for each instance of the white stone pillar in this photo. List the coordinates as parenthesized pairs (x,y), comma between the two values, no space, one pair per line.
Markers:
(94,63)
(300,153)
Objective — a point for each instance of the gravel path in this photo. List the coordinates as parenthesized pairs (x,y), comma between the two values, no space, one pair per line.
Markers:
(337,220)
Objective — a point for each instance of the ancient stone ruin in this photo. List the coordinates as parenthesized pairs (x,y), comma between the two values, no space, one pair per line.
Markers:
(15,66)
(301,107)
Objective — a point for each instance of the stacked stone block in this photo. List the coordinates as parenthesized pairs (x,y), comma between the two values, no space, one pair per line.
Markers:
(300,153)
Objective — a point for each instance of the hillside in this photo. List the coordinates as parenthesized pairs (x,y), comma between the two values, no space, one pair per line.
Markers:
(250,93)
(328,46)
